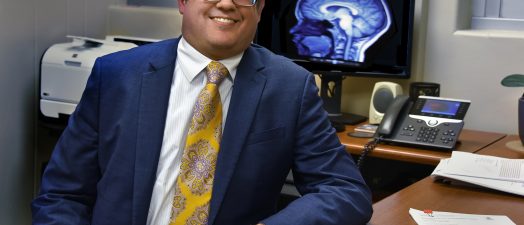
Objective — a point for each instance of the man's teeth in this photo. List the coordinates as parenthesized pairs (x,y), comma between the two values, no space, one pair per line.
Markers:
(223,20)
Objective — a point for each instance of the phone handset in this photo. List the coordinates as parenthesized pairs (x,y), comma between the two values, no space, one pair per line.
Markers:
(391,116)
(386,126)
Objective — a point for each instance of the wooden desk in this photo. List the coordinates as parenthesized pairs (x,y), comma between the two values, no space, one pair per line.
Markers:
(470,141)
(500,149)
(426,194)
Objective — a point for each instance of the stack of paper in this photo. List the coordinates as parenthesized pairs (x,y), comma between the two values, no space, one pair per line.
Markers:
(448,218)
(488,171)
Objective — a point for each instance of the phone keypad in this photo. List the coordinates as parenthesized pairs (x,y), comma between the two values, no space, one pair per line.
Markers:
(443,135)
(427,134)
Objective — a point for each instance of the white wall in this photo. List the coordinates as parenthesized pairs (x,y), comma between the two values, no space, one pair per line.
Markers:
(29,27)
(470,65)
(17,96)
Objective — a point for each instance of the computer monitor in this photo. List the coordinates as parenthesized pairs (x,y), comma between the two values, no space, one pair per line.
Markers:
(339,38)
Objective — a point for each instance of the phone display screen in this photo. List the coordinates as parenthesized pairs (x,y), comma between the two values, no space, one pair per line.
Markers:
(441,107)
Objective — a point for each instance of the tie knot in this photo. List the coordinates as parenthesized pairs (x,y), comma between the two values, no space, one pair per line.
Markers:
(216,72)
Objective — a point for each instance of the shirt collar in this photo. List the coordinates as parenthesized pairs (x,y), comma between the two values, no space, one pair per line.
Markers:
(192,62)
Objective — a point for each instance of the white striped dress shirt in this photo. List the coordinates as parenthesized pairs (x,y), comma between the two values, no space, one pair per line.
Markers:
(188,79)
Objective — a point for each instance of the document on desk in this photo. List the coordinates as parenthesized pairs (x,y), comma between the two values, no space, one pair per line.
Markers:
(449,218)
(484,166)
(487,171)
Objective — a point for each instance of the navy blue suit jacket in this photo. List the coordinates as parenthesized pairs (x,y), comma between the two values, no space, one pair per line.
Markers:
(103,167)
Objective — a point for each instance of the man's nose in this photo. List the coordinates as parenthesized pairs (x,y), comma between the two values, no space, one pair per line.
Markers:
(226,4)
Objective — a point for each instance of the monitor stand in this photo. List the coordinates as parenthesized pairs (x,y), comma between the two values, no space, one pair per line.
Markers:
(347,118)
(331,94)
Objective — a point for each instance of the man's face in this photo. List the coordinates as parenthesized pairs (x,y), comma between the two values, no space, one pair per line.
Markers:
(219,30)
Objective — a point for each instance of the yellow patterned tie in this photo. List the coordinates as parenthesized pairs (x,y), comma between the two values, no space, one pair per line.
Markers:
(195,182)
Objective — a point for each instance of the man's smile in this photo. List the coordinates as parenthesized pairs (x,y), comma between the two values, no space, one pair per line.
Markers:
(224,20)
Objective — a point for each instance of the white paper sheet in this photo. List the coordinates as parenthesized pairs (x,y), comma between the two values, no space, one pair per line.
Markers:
(441,172)
(483,166)
(449,218)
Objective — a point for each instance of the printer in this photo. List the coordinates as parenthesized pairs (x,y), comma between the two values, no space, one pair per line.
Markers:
(65,68)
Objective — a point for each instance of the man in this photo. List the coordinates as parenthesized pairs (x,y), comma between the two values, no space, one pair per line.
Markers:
(123,159)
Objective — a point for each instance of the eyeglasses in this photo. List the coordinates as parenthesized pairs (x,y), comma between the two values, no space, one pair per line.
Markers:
(238,2)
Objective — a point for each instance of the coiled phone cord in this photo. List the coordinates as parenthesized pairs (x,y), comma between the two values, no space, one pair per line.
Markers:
(368,147)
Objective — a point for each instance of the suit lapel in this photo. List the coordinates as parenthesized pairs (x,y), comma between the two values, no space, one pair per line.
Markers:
(248,87)
(154,98)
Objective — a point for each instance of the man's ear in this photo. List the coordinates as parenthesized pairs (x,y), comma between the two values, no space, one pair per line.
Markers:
(182,6)
(260,6)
